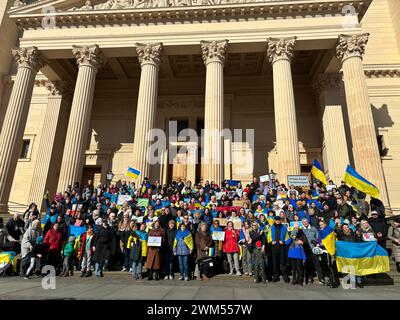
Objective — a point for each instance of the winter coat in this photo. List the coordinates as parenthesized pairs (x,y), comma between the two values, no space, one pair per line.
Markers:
(69,249)
(394,234)
(169,243)
(83,244)
(28,240)
(135,246)
(202,240)
(379,225)
(102,243)
(154,256)
(230,244)
(345,210)
(53,240)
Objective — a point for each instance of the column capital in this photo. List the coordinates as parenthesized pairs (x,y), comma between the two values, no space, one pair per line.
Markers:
(214,51)
(326,81)
(29,57)
(149,53)
(58,88)
(89,56)
(351,46)
(280,48)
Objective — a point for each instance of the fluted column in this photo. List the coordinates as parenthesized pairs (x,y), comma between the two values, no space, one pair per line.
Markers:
(350,50)
(89,60)
(150,58)
(214,54)
(280,53)
(51,141)
(29,61)
(327,88)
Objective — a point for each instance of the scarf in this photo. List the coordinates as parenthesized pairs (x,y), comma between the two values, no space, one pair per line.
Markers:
(247,235)
(182,234)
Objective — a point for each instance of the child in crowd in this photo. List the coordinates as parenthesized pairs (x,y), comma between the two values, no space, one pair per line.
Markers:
(85,251)
(37,256)
(68,253)
(259,263)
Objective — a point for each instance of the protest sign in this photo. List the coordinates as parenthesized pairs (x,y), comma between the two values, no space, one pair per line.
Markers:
(218,235)
(122,198)
(237,224)
(229,208)
(219,195)
(154,242)
(298,181)
(142,202)
(238,203)
(137,219)
(264,178)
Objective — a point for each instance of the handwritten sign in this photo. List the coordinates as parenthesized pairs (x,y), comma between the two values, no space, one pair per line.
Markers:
(264,178)
(154,241)
(218,236)
(237,224)
(137,219)
(142,202)
(122,198)
(298,181)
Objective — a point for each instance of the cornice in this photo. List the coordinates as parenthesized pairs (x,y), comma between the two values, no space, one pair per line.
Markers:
(266,9)
(382,73)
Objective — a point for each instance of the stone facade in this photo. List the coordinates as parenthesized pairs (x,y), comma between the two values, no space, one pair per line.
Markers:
(316,87)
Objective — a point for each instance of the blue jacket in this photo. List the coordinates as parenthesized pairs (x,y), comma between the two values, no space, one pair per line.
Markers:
(282,236)
(296,251)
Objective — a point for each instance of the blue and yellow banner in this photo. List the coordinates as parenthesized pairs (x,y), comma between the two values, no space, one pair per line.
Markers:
(9,257)
(353,178)
(366,257)
(318,172)
(233,183)
(133,173)
(328,238)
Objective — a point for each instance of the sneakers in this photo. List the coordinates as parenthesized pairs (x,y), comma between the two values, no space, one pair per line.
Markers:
(238,273)
(26,278)
(130,270)
(246,273)
(250,274)
(123,269)
(171,277)
(186,278)
(180,278)
(231,272)
(166,278)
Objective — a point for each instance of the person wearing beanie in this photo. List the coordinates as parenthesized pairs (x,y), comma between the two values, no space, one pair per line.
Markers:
(68,254)
(259,262)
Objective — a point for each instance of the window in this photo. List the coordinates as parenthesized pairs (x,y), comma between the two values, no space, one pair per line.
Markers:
(383,151)
(25,149)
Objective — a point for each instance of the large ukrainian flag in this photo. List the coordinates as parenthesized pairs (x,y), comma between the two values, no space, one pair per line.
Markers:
(132,172)
(353,178)
(318,173)
(366,257)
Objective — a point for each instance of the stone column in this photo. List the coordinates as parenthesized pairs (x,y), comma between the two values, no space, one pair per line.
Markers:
(51,142)
(280,53)
(350,50)
(89,60)
(150,58)
(327,88)
(29,62)
(214,54)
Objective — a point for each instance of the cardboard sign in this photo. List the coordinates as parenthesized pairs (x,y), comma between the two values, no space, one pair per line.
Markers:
(264,178)
(237,224)
(219,195)
(238,203)
(142,202)
(122,198)
(218,235)
(137,219)
(222,221)
(154,241)
(298,181)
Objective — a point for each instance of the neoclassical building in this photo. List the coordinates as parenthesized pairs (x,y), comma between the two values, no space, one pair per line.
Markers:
(83,83)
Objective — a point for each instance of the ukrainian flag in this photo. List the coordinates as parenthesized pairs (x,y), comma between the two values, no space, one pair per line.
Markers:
(318,173)
(133,173)
(353,178)
(366,257)
(328,238)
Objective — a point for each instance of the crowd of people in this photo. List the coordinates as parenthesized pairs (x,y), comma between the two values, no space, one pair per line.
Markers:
(263,230)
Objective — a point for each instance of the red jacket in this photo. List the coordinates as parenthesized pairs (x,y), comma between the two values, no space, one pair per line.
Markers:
(83,243)
(231,241)
(53,240)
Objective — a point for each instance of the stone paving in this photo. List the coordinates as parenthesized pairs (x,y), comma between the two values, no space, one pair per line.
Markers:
(124,287)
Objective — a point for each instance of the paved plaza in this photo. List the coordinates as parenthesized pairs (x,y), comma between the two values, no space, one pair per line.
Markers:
(123,287)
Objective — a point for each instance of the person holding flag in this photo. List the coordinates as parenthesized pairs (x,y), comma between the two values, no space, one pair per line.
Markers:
(353,178)
(327,237)
(183,248)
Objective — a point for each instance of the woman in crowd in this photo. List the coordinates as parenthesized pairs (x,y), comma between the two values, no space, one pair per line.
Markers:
(154,254)
(394,236)
(183,247)
(232,249)
(27,244)
(53,244)
(203,242)
(247,244)
(170,235)
(102,246)
(124,231)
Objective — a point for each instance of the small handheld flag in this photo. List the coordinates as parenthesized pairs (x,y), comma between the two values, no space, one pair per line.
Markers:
(353,178)
(133,173)
(318,173)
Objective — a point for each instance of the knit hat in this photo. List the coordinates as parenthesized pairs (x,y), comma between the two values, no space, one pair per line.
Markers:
(71,238)
(258,244)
